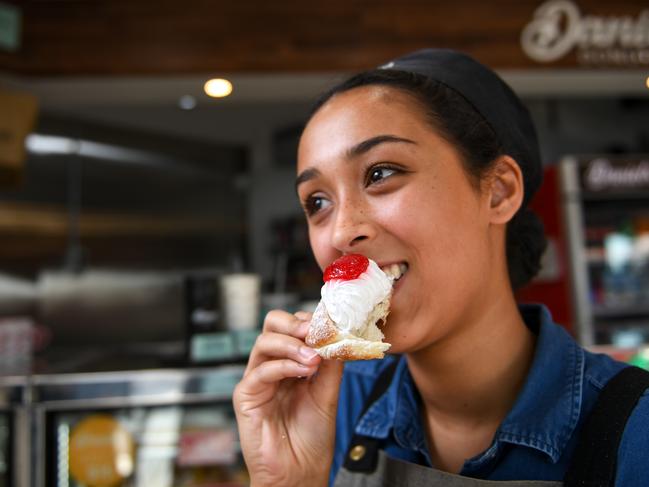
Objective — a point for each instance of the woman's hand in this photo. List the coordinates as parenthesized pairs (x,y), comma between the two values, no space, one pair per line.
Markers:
(286,406)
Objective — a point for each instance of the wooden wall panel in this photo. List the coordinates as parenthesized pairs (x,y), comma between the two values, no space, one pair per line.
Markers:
(87,37)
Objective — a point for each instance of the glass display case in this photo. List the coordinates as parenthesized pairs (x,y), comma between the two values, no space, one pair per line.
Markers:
(606,212)
(163,428)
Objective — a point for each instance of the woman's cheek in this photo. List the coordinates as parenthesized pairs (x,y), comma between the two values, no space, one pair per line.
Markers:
(411,221)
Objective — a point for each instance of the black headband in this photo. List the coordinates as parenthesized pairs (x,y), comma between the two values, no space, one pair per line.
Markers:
(491,97)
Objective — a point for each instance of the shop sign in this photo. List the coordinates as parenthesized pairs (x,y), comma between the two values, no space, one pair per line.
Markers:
(604,174)
(558,28)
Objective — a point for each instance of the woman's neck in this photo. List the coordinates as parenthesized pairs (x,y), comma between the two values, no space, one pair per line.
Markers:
(469,381)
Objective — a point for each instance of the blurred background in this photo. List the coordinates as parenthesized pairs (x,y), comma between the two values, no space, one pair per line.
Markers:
(148,220)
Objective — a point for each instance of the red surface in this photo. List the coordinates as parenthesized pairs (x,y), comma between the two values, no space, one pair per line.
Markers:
(346,268)
(554,293)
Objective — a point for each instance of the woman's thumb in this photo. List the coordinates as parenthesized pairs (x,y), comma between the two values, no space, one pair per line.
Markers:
(326,383)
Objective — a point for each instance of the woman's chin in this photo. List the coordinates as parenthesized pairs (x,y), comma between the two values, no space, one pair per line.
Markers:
(397,344)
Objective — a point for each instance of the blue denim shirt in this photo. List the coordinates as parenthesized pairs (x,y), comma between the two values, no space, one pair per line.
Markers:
(537,437)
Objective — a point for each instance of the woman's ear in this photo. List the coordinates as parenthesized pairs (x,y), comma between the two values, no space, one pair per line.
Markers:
(505,189)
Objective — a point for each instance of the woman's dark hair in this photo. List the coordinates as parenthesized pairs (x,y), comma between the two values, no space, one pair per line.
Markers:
(455,119)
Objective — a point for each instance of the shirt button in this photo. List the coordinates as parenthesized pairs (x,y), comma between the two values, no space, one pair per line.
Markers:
(357,452)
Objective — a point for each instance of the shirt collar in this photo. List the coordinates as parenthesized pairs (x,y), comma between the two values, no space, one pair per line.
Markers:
(543,417)
(547,410)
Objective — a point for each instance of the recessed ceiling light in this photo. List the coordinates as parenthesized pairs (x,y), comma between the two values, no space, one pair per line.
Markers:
(187,102)
(218,88)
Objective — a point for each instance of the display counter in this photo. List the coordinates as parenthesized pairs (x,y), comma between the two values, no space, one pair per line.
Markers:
(169,427)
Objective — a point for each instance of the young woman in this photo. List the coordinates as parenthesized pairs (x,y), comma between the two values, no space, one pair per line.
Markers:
(428,161)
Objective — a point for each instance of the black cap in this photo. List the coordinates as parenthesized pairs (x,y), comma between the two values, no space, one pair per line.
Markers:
(491,97)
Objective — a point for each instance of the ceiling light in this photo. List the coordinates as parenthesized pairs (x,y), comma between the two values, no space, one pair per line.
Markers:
(218,88)
(187,102)
(647,82)
(51,144)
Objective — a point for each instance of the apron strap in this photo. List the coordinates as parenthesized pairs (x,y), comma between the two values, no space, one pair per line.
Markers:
(363,452)
(595,459)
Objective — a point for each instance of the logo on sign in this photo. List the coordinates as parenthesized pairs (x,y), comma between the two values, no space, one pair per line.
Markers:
(602,174)
(558,27)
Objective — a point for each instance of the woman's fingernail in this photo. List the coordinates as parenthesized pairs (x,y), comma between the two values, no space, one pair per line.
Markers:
(307,353)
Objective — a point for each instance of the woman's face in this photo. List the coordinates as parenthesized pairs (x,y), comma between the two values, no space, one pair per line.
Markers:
(375,178)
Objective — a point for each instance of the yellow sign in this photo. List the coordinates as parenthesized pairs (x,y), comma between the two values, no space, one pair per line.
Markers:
(101,452)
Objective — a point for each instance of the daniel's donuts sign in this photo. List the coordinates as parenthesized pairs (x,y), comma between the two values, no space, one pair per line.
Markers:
(559,27)
(605,174)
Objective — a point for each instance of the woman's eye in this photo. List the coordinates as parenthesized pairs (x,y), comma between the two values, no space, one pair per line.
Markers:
(377,174)
(314,204)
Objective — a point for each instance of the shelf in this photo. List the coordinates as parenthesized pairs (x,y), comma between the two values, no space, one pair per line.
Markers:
(595,255)
(588,196)
(631,311)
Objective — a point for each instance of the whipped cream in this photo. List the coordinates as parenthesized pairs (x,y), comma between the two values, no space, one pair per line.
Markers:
(349,303)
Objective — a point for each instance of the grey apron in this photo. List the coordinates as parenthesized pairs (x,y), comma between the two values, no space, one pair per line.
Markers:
(366,465)
(391,472)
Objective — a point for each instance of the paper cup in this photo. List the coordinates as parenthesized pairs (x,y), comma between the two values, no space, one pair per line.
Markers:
(241,300)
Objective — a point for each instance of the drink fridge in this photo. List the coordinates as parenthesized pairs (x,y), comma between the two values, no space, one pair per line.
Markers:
(155,428)
(605,202)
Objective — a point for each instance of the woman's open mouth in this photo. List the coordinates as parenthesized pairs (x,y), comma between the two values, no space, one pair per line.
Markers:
(396,271)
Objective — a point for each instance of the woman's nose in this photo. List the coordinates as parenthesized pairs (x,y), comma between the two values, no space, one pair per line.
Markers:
(352,227)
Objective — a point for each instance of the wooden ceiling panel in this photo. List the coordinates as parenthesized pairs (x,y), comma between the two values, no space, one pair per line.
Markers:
(131,37)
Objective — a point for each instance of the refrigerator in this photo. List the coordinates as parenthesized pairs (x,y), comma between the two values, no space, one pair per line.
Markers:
(605,206)
(154,428)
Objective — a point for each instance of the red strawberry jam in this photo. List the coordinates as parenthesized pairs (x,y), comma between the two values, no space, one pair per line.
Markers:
(346,268)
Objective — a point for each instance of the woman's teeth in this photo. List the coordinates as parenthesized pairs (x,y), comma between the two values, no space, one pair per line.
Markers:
(396,271)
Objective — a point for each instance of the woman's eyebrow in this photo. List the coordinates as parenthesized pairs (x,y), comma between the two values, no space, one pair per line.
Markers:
(355,151)
(369,144)
(305,176)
